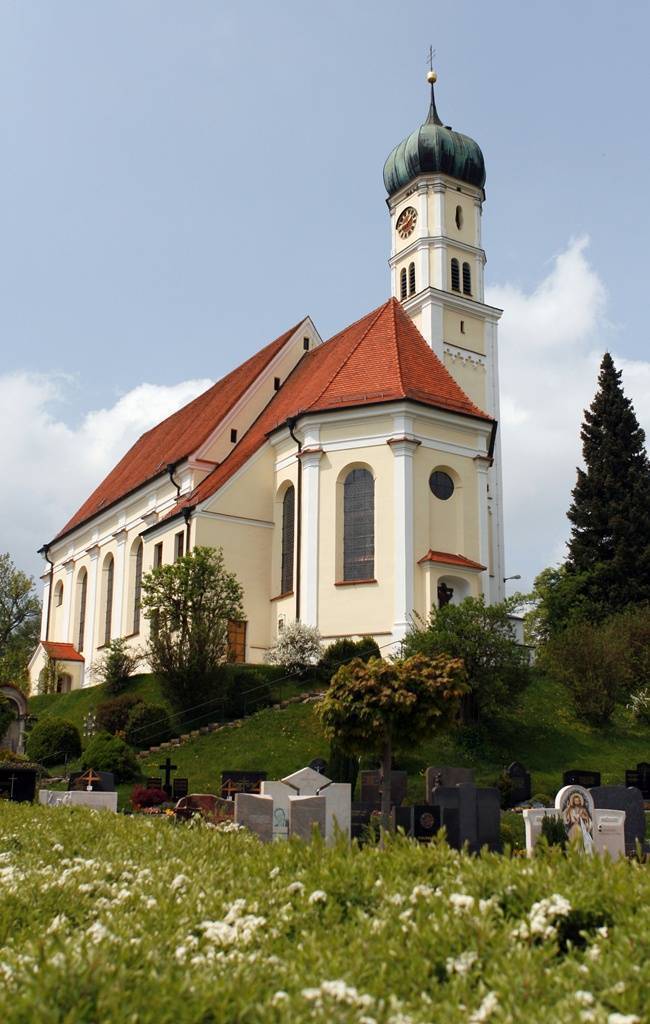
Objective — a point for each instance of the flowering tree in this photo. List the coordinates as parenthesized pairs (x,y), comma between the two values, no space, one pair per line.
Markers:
(379,705)
(298,648)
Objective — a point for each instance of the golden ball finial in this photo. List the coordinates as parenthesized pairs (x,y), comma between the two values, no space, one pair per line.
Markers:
(432,77)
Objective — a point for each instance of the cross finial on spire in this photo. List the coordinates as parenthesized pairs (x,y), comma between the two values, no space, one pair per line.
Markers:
(432,54)
(431,79)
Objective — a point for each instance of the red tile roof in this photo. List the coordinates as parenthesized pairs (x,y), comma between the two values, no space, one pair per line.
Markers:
(380,358)
(176,437)
(445,558)
(61,652)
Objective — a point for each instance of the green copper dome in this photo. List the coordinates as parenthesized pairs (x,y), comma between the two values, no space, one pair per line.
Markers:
(434,149)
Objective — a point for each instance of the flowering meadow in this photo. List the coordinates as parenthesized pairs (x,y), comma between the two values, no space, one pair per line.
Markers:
(108,919)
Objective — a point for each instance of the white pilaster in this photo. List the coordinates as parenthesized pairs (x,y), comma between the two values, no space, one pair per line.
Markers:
(67,601)
(91,614)
(118,584)
(431,325)
(423,210)
(310,459)
(46,603)
(478,210)
(440,226)
(482,465)
(495,478)
(403,448)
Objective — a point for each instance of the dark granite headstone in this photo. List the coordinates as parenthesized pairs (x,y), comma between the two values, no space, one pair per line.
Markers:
(445,775)
(371,788)
(520,785)
(360,819)
(403,819)
(640,779)
(234,782)
(426,822)
(319,764)
(489,819)
(100,782)
(18,784)
(630,800)
(477,815)
(581,777)
(180,787)
(154,782)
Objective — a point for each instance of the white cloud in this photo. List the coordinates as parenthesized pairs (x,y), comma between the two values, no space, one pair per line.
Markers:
(551,344)
(49,467)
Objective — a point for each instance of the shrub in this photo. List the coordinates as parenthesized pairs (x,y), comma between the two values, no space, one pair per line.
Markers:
(482,635)
(7,715)
(148,797)
(344,650)
(554,831)
(640,705)
(297,650)
(148,725)
(117,665)
(245,691)
(112,714)
(591,660)
(342,767)
(53,741)
(106,753)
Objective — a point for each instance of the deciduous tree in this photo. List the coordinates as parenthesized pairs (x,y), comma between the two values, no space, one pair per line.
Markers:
(20,612)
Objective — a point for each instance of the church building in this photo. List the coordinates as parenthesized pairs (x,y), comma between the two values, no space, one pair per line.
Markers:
(351,483)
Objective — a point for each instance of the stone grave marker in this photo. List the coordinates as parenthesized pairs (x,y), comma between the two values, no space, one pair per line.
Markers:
(477,815)
(446,775)
(371,788)
(97,800)
(233,782)
(596,830)
(426,822)
(18,784)
(305,812)
(488,808)
(640,779)
(255,812)
(630,800)
(581,777)
(520,784)
(308,782)
(212,808)
(360,819)
(92,782)
(319,764)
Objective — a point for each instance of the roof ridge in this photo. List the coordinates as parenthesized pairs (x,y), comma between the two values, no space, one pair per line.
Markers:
(393,304)
(354,348)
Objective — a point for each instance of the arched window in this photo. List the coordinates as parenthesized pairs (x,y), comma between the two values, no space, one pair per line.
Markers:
(411,278)
(467,279)
(82,591)
(288,520)
(455,276)
(359,526)
(107,586)
(402,283)
(459,217)
(137,586)
(58,594)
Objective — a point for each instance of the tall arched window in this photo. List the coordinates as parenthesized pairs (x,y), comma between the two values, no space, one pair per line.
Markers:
(467,279)
(288,521)
(137,586)
(411,278)
(58,594)
(402,283)
(359,525)
(82,591)
(455,276)
(107,587)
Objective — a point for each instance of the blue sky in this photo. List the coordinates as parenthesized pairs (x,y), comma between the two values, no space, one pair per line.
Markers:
(182,181)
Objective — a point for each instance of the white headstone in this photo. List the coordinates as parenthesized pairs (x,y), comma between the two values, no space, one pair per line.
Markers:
(280,795)
(97,801)
(598,830)
(306,782)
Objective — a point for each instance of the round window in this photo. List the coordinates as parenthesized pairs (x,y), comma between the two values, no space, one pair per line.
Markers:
(441,485)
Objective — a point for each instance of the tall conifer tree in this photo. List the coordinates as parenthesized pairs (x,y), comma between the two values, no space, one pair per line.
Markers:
(610,537)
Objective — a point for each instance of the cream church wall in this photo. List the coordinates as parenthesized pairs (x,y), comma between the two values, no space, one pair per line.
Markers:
(471,375)
(474,336)
(467,232)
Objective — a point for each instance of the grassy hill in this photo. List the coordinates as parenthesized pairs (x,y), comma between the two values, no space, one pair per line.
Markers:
(543,733)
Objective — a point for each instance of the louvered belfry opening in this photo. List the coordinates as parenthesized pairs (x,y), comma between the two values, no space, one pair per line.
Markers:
(288,528)
(411,278)
(402,283)
(359,526)
(455,276)
(467,279)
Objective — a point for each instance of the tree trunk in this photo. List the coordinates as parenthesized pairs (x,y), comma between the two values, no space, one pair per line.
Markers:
(386,765)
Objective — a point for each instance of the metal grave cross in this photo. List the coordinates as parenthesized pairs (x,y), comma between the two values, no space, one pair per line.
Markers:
(168,768)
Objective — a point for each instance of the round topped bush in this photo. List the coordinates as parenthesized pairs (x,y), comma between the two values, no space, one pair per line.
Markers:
(106,753)
(148,725)
(53,741)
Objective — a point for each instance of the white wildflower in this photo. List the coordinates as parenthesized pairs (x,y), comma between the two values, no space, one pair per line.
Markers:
(180,953)
(274,872)
(594,952)
(588,1016)
(603,932)
(179,882)
(461,964)
(57,922)
(421,892)
(97,932)
(278,998)
(397,899)
(318,896)
(623,1018)
(461,901)
(295,887)
(486,1009)
(584,998)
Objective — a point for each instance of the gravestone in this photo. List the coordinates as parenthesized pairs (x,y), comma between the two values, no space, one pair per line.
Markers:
(18,784)
(426,822)
(96,800)
(305,813)
(371,786)
(233,782)
(488,806)
(360,819)
(91,781)
(445,775)
(255,812)
(640,779)
(212,808)
(520,785)
(630,800)
(581,777)
(319,764)
(180,788)
(154,782)
(308,782)
(477,812)
(403,819)
(594,830)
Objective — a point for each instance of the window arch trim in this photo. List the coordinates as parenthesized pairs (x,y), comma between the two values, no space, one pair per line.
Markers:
(358,563)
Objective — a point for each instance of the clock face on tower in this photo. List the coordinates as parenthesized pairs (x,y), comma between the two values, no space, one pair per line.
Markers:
(406,222)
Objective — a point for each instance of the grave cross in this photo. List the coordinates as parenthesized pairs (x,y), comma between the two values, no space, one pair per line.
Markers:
(168,768)
(230,788)
(90,778)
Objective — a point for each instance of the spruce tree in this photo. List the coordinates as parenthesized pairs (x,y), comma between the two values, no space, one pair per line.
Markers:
(609,547)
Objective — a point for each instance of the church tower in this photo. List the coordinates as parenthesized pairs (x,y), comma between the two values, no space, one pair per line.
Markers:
(435,182)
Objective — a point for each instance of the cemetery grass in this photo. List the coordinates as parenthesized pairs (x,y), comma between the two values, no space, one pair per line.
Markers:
(121,919)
